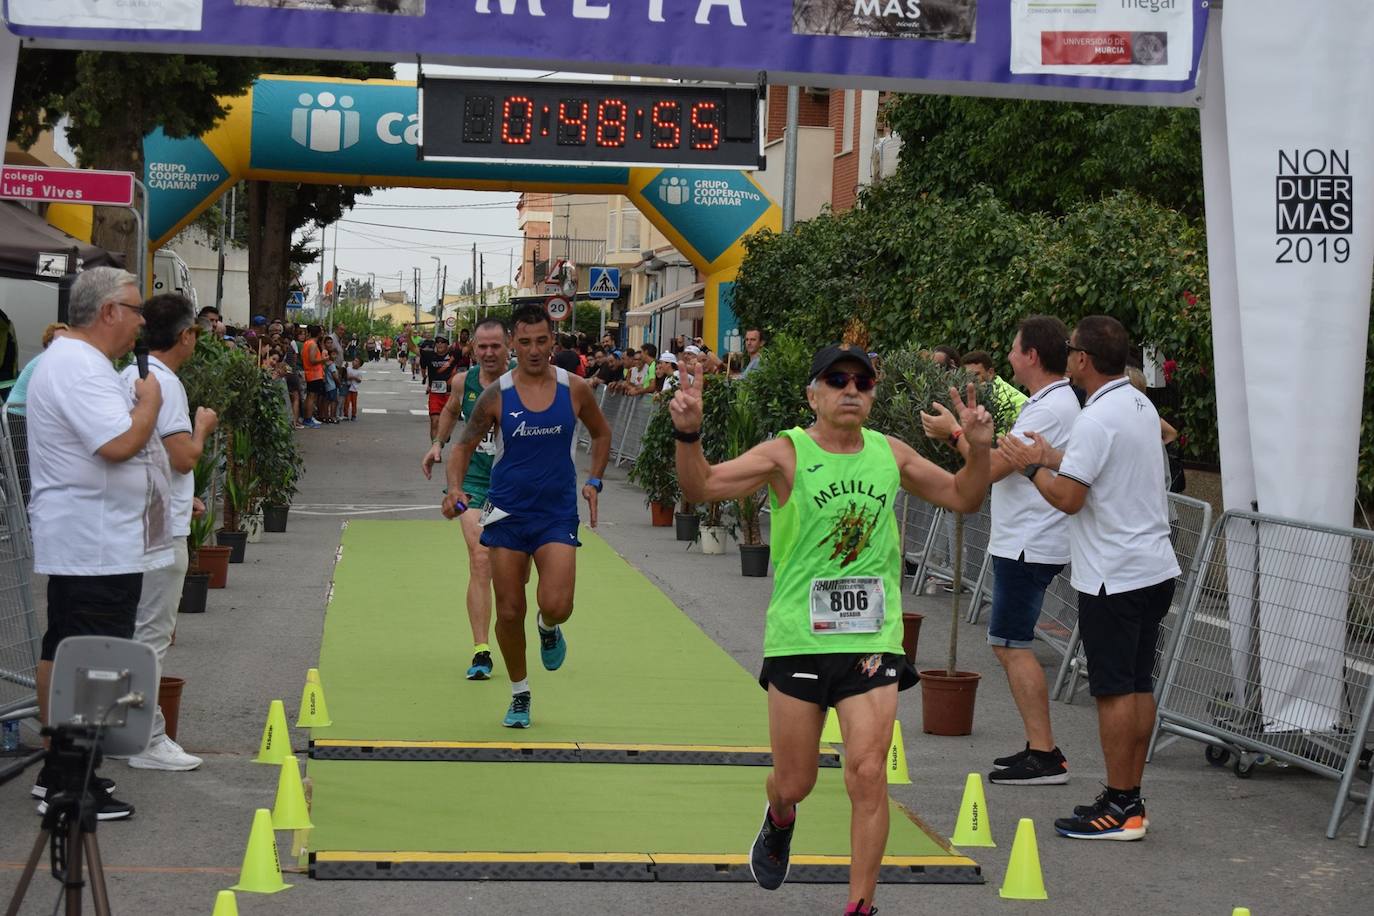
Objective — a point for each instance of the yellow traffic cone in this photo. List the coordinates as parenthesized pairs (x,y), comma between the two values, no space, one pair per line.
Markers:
(276,738)
(312,676)
(973,828)
(314,712)
(290,811)
(897,773)
(830,732)
(261,871)
(1024,880)
(226,904)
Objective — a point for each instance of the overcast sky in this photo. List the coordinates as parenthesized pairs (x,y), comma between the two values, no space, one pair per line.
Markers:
(416,225)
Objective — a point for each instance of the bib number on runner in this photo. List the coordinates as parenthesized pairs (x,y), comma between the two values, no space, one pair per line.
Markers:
(438,387)
(854,605)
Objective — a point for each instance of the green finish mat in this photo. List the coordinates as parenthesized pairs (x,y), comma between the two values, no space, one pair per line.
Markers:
(397,644)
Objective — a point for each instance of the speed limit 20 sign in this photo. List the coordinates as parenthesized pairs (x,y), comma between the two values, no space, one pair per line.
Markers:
(558,307)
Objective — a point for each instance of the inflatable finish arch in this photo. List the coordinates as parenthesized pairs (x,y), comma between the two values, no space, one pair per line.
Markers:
(328,131)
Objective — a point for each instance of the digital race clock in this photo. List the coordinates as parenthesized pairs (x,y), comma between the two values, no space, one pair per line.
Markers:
(622,123)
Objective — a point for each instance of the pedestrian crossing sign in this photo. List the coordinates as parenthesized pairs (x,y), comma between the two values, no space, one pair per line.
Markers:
(297,299)
(605,283)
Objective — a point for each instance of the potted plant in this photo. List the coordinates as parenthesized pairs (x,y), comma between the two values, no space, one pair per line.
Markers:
(207,564)
(240,486)
(717,398)
(909,384)
(276,459)
(655,470)
(742,432)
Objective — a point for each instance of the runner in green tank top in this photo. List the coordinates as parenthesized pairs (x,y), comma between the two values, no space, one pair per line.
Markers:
(833,630)
(491,347)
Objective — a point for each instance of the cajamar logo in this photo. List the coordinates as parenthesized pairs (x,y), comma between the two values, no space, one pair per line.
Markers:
(850,534)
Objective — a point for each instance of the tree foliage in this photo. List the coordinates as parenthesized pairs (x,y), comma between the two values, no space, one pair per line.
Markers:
(917,268)
(1050,158)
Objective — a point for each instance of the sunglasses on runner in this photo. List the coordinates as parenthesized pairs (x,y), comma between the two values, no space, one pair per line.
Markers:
(840,380)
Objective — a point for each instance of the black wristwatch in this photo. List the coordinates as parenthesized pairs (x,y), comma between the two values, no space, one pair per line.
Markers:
(1031,470)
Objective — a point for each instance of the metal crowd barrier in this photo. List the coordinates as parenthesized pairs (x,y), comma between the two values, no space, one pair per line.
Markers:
(635,426)
(19,630)
(1190,528)
(1274,653)
(916,520)
(936,558)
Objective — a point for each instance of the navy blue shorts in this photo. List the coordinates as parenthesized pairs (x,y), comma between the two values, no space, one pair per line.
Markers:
(528,535)
(1018,591)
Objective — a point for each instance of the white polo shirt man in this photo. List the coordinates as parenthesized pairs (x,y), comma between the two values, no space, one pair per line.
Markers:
(1119,540)
(1024,526)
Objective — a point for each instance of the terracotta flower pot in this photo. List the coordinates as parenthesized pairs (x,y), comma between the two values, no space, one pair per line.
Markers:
(661,514)
(169,698)
(215,561)
(947,702)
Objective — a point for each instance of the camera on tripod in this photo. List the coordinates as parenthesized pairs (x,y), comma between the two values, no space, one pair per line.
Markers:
(99,703)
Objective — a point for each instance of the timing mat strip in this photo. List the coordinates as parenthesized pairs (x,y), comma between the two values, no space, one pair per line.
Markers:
(380,820)
(624,866)
(552,752)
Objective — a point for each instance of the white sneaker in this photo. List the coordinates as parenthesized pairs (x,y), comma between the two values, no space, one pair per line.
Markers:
(164,754)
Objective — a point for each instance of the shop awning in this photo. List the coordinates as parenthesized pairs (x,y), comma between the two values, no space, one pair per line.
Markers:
(686,299)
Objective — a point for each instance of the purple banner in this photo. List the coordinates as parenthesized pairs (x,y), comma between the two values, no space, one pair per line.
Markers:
(965,46)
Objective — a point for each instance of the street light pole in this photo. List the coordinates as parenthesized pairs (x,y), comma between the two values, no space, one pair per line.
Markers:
(438,293)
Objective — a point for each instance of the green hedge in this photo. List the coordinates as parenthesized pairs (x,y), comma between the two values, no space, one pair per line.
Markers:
(918,271)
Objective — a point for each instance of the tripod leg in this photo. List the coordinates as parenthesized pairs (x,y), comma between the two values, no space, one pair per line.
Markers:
(74,866)
(96,870)
(23,886)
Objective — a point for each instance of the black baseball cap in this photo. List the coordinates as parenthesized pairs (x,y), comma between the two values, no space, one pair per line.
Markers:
(829,356)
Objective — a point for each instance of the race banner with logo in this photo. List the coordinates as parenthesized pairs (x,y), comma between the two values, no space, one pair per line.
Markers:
(1145,39)
(1300,134)
(1081,49)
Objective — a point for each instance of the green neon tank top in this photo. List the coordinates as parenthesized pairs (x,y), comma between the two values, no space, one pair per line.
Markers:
(835,548)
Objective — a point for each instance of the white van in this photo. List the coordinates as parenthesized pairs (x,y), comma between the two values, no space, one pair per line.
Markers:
(171,275)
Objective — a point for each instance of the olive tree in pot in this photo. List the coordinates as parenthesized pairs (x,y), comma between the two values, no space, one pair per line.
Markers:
(276,459)
(909,383)
(743,432)
(655,470)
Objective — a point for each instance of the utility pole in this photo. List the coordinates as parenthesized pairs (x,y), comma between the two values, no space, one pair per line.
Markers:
(482,277)
(438,293)
(415,325)
(474,271)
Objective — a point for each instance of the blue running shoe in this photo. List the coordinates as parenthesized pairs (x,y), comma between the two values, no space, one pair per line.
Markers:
(553,648)
(481,667)
(518,716)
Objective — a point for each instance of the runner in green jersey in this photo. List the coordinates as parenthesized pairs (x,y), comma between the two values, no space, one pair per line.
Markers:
(833,630)
(492,350)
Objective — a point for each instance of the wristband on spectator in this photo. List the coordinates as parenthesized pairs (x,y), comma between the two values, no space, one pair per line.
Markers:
(954,437)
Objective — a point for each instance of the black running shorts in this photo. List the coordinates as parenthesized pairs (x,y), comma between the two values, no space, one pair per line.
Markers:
(827,679)
(1119,634)
(91,606)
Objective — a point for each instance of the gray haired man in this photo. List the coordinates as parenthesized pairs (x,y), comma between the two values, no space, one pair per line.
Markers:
(100,510)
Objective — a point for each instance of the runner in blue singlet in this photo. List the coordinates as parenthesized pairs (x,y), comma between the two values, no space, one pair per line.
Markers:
(531,507)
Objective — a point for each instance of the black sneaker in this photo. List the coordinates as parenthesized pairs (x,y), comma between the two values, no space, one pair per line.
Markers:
(1105,820)
(1086,810)
(1002,763)
(769,860)
(480,669)
(111,808)
(45,778)
(1035,768)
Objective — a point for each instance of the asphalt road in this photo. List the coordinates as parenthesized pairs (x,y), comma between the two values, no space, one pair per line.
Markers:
(1215,842)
